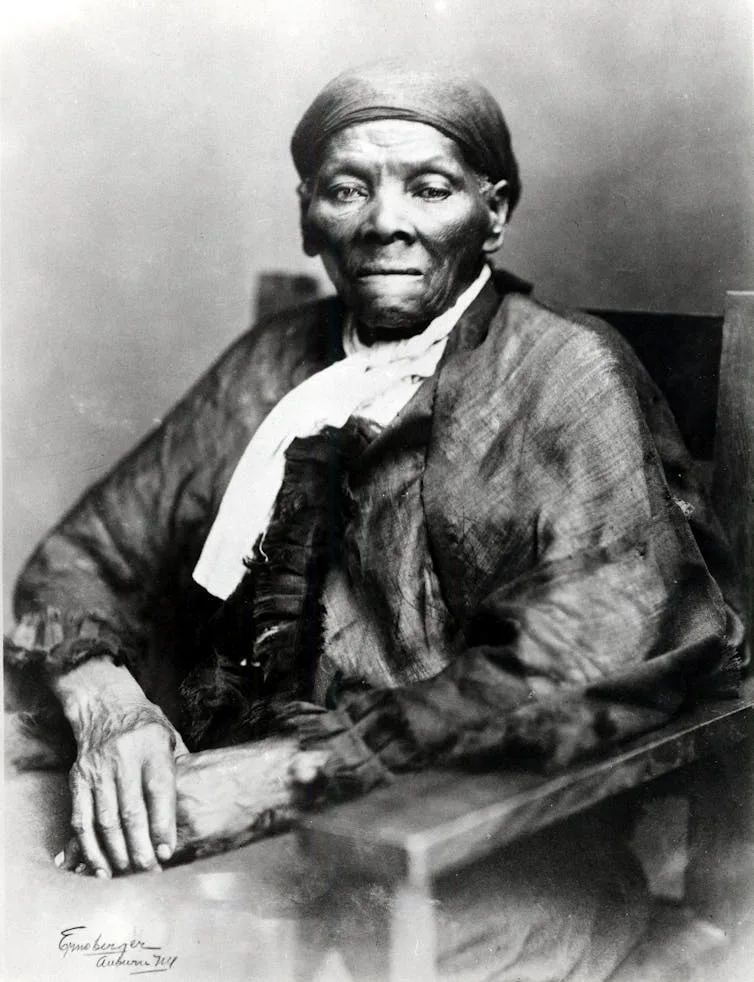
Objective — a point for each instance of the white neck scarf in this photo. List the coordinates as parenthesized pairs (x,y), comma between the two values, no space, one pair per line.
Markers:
(372,381)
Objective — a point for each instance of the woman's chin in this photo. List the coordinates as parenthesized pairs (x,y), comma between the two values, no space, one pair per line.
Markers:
(392,315)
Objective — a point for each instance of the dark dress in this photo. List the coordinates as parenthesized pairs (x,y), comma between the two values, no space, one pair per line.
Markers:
(527,558)
(525,570)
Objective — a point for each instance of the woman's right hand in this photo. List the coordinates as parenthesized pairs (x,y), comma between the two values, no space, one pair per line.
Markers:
(123,790)
(123,780)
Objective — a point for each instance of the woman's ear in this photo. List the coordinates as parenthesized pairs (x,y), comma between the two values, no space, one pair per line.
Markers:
(496,196)
(308,240)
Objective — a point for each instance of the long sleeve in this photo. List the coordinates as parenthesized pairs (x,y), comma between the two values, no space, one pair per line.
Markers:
(117,569)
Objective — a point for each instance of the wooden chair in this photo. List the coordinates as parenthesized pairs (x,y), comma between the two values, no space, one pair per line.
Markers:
(426,825)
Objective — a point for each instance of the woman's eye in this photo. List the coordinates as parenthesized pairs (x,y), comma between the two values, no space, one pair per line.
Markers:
(346,193)
(433,192)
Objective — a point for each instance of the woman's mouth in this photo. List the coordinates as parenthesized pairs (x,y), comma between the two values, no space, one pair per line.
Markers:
(366,271)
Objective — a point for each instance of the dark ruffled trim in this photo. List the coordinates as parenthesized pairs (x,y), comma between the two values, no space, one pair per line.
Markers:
(265,641)
(51,645)
(351,768)
(223,704)
(367,738)
(287,570)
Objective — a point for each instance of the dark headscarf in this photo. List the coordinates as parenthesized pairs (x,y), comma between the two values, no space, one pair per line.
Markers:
(455,104)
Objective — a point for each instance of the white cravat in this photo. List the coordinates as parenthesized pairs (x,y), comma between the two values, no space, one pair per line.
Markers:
(373,381)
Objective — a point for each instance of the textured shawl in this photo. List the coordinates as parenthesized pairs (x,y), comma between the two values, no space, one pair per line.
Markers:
(560,508)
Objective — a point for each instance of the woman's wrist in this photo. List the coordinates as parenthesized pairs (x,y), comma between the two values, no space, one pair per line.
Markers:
(98,689)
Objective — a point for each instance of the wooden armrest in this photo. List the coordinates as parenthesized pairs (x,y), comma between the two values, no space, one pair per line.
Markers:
(426,824)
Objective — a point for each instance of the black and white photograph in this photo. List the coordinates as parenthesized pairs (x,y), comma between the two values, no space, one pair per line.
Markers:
(378,490)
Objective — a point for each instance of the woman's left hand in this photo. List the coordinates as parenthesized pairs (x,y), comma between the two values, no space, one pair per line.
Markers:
(230,796)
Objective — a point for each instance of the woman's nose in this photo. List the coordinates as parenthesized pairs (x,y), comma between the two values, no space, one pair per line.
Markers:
(387,218)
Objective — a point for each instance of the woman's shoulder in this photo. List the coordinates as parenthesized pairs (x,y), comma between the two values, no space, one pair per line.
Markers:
(310,330)
(567,339)
(524,315)
(276,350)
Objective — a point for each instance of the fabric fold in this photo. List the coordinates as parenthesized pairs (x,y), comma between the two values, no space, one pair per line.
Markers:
(373,382)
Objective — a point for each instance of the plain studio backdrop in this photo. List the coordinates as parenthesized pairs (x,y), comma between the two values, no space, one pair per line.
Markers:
(147,183)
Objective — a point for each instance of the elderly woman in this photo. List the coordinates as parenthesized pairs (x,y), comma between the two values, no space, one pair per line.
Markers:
(429,521)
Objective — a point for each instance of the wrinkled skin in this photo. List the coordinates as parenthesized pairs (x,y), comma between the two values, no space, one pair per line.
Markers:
(123,781)
(401,222)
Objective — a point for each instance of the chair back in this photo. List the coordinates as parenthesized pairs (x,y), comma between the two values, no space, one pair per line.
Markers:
(705,367)
(733,478)
(682,354)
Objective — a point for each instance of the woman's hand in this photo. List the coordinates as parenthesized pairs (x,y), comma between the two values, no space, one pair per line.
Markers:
(123,781)
(123,789)
(230,796)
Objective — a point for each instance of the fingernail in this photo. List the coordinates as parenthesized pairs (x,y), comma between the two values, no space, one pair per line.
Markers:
(59,859)
(80,868)
(164,852)
(102,874)
(144,867)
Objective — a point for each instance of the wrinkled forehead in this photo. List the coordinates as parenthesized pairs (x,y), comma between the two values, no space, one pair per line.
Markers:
(393,145)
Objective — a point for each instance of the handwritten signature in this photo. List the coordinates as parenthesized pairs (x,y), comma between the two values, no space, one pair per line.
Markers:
(133,954)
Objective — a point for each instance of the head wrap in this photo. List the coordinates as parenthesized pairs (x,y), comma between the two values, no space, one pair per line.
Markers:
(455,104)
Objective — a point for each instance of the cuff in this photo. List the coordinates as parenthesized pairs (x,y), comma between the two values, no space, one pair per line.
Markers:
(46,642)
(366,741)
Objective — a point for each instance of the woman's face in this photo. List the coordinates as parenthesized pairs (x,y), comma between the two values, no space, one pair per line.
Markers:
(401,222)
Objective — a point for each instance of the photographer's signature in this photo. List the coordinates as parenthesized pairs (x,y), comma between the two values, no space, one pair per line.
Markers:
(131,953)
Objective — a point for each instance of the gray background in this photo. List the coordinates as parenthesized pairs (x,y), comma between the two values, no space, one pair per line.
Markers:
(147,183)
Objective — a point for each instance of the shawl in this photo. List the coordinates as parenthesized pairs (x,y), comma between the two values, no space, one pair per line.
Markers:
(581,610)
(564,521)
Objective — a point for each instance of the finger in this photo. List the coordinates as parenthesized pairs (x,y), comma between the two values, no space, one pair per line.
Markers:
(180,748)
(69,857)
(159,794)
(134,821)
(82,823)
(108,825)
